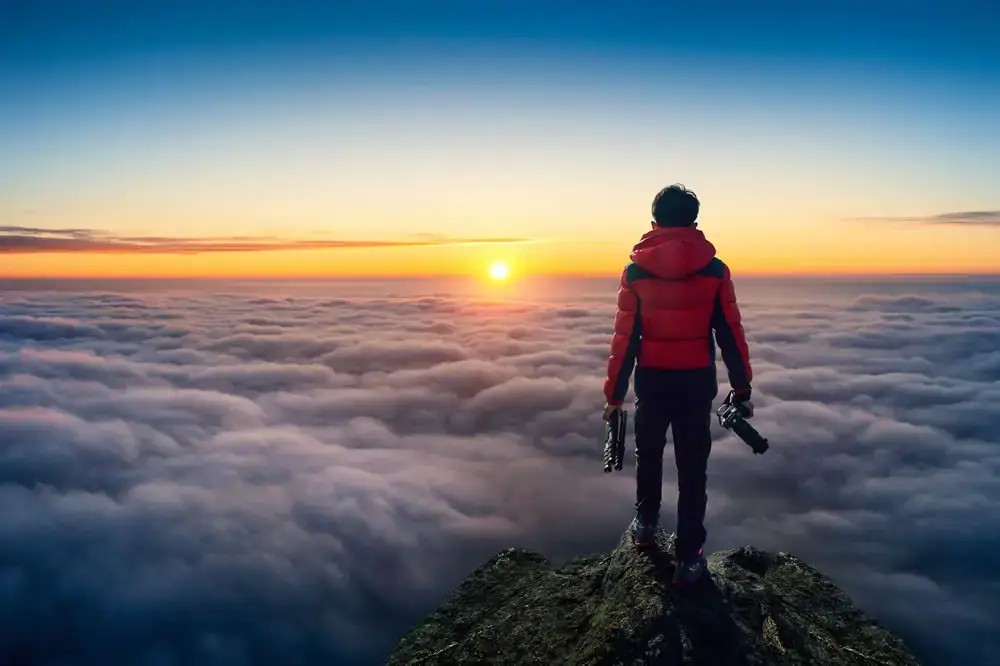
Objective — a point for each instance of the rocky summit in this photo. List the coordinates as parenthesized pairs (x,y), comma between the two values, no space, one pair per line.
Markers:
(755,608)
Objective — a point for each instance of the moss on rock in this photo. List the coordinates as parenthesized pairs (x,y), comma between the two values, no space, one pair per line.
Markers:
(755,609)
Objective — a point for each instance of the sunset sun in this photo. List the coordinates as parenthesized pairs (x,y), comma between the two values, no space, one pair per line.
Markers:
(499,270)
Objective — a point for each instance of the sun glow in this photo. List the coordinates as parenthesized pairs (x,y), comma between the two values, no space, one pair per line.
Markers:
(499,270)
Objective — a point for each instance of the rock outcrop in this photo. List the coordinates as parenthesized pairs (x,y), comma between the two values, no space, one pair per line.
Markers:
(755,608)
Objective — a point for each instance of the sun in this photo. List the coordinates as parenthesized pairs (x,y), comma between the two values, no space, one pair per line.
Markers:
(499,270)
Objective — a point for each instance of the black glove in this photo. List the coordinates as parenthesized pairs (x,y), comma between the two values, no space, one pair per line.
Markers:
(741,399)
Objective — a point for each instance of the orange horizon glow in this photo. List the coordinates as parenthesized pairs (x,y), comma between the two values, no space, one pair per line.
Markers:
(846,248)
(347,264)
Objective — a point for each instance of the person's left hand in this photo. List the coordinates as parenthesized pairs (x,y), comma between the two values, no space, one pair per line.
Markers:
(609,410)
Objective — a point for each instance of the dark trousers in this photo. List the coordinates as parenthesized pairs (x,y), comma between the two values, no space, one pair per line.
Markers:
(685,409)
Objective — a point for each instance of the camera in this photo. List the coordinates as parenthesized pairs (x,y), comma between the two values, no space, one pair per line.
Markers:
(733,417)
(614,440)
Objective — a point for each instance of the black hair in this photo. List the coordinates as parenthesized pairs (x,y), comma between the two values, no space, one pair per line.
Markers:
(675,206)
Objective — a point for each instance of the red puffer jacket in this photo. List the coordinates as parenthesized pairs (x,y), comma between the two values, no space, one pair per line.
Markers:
(672,296)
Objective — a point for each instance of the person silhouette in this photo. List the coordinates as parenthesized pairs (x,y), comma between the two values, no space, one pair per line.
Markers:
(673,295)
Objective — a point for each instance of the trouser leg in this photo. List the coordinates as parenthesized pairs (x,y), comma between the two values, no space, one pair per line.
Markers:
(651,422)
(692,445)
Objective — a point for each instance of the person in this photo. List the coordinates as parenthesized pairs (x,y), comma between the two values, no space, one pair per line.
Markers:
(671,298)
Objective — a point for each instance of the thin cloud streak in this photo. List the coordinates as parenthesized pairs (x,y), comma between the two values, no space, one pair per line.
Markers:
(985,218)
(33,240)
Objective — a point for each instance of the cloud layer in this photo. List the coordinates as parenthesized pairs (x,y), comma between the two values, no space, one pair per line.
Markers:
(226,478)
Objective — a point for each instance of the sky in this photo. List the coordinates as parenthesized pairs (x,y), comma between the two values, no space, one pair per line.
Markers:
(278,472)
(432,138)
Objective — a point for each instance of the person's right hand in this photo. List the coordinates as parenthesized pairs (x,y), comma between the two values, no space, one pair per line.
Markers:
(741,400)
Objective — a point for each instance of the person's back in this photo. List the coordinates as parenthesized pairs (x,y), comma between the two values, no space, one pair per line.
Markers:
(673,296)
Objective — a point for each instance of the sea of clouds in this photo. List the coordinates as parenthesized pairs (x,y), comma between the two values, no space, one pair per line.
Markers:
(283,474)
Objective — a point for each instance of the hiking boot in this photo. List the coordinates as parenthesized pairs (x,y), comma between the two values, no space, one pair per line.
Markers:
(689,572)
(643,532)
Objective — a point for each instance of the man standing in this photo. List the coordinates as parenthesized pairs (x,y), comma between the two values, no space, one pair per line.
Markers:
(672,297)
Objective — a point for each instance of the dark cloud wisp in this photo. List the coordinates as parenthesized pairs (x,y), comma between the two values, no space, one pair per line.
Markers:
(987,218)
(31,240)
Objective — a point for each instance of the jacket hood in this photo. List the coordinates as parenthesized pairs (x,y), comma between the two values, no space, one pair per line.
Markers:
(673,252)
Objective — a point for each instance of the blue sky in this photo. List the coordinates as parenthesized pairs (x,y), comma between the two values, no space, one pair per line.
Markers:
(293,117)
(914,34)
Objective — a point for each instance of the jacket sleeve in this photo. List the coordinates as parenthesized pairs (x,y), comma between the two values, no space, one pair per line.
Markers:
(624,344)
(730,336)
